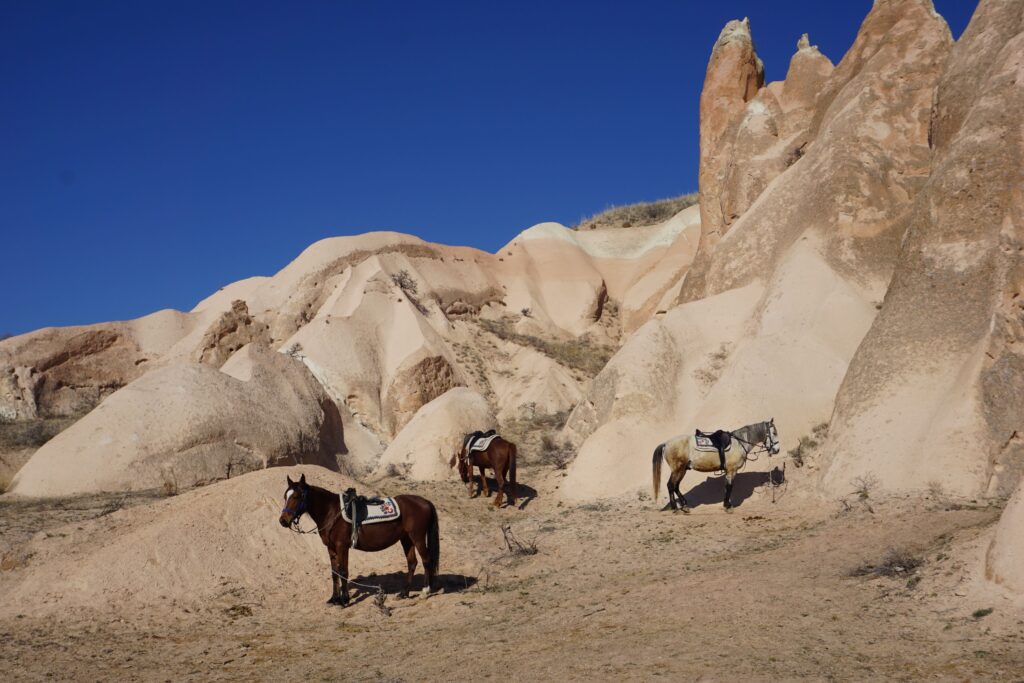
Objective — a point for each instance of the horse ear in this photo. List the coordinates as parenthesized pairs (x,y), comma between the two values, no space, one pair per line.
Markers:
(302,479)
(290,482)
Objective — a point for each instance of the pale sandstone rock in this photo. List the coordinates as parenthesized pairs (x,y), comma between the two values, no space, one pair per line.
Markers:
(188,424)
(941,373)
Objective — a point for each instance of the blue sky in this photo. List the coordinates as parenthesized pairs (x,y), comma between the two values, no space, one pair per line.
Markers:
(154,151)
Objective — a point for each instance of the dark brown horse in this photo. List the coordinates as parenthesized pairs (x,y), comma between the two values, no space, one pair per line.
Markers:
(416,529)
(500,456)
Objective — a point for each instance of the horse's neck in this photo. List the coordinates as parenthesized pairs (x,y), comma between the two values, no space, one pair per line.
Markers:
(751,435)
(322,504)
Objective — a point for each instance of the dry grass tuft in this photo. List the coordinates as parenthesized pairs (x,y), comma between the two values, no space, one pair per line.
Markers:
(582,353)
(19,434)
(895,562)
(516,547)
(639,214)
(536,438)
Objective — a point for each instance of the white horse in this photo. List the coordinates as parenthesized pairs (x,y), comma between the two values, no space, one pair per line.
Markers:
(685,453)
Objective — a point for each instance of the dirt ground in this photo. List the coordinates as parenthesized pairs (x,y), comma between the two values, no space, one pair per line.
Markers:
(786,590)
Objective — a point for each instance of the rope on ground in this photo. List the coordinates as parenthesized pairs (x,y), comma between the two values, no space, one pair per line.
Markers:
(378,599)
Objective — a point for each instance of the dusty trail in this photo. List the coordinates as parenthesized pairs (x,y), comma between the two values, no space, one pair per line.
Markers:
(619,591)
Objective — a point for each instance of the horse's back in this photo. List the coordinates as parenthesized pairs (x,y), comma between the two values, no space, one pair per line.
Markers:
(412,502)
(676,447)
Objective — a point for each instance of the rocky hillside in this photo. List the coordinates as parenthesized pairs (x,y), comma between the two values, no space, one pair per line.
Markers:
(854,269)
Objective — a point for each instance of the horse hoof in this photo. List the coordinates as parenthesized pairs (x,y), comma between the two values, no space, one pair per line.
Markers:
(686,511)
(403,595)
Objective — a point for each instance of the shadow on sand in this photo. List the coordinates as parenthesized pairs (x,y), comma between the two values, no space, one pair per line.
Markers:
(524,494)
(393,583)
(711,491)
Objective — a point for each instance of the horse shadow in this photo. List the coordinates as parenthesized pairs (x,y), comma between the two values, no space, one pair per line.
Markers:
(524,493)
(711,491)
(393,583)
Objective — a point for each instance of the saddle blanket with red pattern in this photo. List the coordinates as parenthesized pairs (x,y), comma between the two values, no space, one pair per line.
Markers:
(384,511)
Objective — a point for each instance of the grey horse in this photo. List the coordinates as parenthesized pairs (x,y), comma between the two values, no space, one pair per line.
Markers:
(682,453)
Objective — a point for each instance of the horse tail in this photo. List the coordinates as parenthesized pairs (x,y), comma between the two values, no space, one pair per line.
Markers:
(512,470)
(656,462)
(434,540)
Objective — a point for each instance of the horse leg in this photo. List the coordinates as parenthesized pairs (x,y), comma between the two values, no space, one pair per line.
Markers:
(484,484)
(729,474)
(684,506)
(343,564)
(500,479)
(673,487)
(335,585)
(428,570)
(410,560)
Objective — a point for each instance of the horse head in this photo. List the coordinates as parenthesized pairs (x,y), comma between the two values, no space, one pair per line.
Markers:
(295,501)
(459,459)
(772,439)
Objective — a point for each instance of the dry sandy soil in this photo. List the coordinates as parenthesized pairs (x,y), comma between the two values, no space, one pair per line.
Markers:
(797,588)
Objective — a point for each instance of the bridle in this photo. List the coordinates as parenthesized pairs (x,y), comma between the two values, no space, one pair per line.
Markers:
(302,508)
(767,445)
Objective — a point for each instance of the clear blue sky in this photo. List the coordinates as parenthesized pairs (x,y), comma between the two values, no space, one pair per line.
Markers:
(152,152)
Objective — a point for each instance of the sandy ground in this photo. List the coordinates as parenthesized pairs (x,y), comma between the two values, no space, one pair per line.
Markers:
(614,591)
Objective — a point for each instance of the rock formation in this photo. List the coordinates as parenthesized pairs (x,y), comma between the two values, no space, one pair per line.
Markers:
(185,424)
(941,372)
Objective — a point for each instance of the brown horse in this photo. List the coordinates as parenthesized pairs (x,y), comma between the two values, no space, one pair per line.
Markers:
(416,529)
(500,456)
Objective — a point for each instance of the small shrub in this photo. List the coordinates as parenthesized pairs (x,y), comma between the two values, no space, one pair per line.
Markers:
(802,450)
(408,285)
(895,562)
(516,547)
(982,613)
(169,487)
(295,351)
(712,369)
(405,281)
(527,312)
(864,485)
(820,431)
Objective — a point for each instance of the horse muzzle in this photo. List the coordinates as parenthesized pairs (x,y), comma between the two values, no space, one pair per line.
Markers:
(286,522)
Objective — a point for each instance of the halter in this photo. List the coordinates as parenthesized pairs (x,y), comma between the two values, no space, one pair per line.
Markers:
(767,444)
(300,509)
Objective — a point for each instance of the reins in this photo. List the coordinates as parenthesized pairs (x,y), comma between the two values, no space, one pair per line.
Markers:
(752,455)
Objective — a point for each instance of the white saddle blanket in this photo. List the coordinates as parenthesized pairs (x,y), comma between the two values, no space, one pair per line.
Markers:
(702,443)
(385,512)
(482,444)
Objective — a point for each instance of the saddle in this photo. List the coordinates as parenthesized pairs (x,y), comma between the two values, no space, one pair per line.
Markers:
(478,441)
(719,440)
(358,510)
